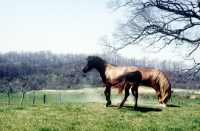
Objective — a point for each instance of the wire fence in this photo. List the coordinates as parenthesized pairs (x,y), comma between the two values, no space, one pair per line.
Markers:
(43,97)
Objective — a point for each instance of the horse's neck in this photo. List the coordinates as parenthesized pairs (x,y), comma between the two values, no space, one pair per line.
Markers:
(101,69)
(146,74)
(103,77)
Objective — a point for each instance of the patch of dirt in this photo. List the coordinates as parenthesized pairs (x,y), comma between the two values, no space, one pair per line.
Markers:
(141,89)
(144,89)
(78,90)
(195,97)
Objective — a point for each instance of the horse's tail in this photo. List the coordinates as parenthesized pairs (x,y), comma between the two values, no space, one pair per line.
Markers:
(120,83)
(120,90)
(127,80)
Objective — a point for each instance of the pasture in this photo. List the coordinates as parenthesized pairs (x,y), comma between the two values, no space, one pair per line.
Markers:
(83,110)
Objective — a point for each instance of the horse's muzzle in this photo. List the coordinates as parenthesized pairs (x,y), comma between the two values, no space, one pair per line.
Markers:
(85,69)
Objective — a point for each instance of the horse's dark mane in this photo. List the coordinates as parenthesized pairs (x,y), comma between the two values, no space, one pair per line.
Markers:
(99,58)
(95,57)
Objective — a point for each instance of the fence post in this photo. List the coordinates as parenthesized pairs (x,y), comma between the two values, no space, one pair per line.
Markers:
(22,99)
(44,98)
(60,97)
(171,99)
(27,95)
(8,93)
(33,98)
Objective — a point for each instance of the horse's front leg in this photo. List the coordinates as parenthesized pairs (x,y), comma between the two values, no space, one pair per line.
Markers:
(156,88)
(134,91)
(107,94)
(125,97)
(159,97)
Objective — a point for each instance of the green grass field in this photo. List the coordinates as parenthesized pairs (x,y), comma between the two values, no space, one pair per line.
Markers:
(85,111)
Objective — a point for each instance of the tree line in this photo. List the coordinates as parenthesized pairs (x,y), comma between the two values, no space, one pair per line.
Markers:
(46,70)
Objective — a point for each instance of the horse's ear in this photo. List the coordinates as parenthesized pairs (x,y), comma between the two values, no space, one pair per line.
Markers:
(86,58)
(89,57)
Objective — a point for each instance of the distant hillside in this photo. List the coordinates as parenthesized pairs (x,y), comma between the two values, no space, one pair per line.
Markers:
(45,70)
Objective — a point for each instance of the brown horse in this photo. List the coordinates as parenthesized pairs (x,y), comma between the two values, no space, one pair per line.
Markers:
(159,82)
(123,77)
(119,77)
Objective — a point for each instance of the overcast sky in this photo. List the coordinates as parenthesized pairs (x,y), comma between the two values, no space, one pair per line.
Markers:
(61,26)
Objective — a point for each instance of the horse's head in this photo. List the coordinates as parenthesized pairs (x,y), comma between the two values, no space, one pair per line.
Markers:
(167,94)
(92,62)
(97,63)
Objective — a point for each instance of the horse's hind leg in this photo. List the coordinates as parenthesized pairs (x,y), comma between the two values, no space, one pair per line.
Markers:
(125,97)
(107,94)
(134,91)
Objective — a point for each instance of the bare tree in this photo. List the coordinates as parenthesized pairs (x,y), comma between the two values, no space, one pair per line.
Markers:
(198,3)
(155,24)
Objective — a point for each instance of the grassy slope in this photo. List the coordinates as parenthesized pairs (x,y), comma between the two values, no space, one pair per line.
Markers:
(75,114)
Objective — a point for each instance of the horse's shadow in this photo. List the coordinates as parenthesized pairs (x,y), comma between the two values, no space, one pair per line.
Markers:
(172,105)
(139,108)
(149,109)
(143,109)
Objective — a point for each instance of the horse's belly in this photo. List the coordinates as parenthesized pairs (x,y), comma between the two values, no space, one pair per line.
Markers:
(146,83)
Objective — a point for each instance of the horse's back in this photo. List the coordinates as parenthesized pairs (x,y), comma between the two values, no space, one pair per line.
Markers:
(115,72)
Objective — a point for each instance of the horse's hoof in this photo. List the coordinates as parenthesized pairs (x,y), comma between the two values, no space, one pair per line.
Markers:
(108,103)
(119,107)
(162,105)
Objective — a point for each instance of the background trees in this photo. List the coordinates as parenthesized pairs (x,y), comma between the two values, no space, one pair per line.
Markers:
(45,70)
(155,24)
